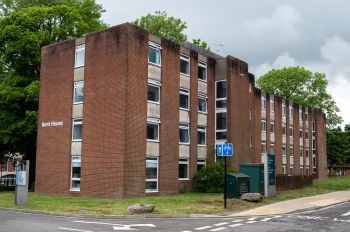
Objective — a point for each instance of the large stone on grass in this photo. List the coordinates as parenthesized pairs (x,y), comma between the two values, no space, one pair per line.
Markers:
(138,208)
(251,197)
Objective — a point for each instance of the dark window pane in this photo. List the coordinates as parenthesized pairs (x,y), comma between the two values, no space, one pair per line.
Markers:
(184,101)
(221,88)
(183,170)
(153,55)
(221,121)
(202,73)
(221,104)
(153,93)
(152,131)
(184,67)
(221,135)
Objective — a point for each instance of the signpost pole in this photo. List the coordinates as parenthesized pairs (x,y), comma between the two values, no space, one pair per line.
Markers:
(225,183)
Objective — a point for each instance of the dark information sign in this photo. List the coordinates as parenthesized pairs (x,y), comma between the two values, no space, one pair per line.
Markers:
(271,169)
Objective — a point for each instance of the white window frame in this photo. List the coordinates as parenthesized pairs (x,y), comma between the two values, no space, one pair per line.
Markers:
(220,110)
(77,121)
(285,129)
(154,121)
(156,84)
(201,162)
(186,162)
(300,115)
(272,104)
(203,129)
(284,151)
(79,48)
(156,47)
(186,92)
(203,65)
(187,59)
(263,147)
(205,98)
(291,111)
(272,125)
(185,127)
(71,173)
(263,102)
(301,135)
(283,109)
(263,125)
(153,160)
(272,147)
(291,129)
(284,169)
(307,153)
(301,152)
(291,151)
(78,84)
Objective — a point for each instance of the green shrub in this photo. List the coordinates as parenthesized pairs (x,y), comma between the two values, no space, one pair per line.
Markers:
(210,179)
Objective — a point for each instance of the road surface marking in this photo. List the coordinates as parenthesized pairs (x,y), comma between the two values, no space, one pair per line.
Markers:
(70,229)
(238,220)
(235,225)
(118,226)
(346,214)
(250,222)
(186,231)
(278,216)
(203,228)
(251,219)
(221,224)
(265,219)
(218,229)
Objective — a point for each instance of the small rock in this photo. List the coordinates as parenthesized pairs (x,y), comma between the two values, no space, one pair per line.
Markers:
(138,208)
(251,197)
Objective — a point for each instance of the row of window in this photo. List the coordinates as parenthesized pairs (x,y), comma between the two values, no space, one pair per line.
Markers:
(154,57)
(291,170)
(184,132)
(153,96)
(221,111)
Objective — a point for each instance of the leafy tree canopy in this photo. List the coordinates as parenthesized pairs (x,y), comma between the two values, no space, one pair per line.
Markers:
(201,43)
(303,87)
(162,25)
(25,27)
(338,146)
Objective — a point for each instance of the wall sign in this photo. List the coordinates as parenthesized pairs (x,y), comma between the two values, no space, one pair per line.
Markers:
(50,124)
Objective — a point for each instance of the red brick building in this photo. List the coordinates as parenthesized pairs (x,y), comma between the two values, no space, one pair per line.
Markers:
(124,113)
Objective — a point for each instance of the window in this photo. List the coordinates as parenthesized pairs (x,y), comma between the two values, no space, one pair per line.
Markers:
(272,126)
(291,171)
(283,109)
(284,170)
(201,163)
(184,65)
(154,55)
(184,134)
(291,130)
(263,147)
(153,93)
(79,56)
(221,110)
(283,128)
(78,92)
(75,173)
(221,89)
(306,134)
(263,125)
(201,135)
(307,153)
(77,129)
(272,148)
(152,129)
(301,170)
(301,152)
(202,103)
(263,102)
(307,171)
(313,143)
(313,165)
(202,71)
(301,133)
(272,104)
(151,174)
(306,115)
(291,152)
(284,152)
(300,115)
(291,111)
(184,99)
(183,169)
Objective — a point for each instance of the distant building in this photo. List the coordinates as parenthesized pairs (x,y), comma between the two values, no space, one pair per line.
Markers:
(124,113)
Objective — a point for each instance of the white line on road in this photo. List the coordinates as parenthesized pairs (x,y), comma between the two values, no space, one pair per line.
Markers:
(235,225)
(265,219)
(218,229)
(251,219)
(278,216)
(250,222)
(71,229)
(346,214)
(238,220)
(203,228)
(221,224)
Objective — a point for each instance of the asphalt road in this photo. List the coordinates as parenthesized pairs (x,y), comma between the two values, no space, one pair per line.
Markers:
(336,218)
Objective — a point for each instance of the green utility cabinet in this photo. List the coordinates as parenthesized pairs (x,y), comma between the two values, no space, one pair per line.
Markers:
(237,184)
(256,173)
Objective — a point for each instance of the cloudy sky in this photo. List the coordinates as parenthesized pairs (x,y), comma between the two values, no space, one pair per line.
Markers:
(266,34)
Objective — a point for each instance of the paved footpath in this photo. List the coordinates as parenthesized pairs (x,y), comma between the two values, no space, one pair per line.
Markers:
(299,204)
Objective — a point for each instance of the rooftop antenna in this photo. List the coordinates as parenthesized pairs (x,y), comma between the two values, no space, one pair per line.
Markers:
(219,47)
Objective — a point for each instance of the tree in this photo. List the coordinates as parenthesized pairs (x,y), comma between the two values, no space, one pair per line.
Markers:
(24,29)
(303,87)
(338,146)
(162,25)
(201,43)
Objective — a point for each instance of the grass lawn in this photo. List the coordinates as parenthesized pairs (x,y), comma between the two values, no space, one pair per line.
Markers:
(178,204)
